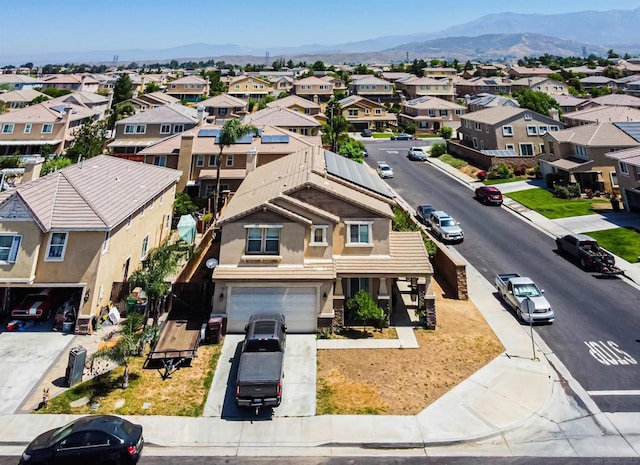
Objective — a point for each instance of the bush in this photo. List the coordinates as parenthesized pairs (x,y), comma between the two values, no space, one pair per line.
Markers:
(481,175)
(364,307)
(437,150)
(504,171)
(567,192)
(520,170)
(445,132)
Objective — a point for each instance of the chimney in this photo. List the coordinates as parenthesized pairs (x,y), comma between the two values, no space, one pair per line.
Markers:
(200,114)
(185,160)
(252,159)
(315,99)
(84,78)
(65,130)
(555,114)
(32,167)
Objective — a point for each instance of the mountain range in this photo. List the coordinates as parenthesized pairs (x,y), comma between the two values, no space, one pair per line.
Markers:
(491,37)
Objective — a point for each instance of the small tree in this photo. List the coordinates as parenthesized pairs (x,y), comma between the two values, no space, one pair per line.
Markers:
(364,307)
(90,140)
(353,150)
(445,132)
(183,205)
(437,150)
(122,89)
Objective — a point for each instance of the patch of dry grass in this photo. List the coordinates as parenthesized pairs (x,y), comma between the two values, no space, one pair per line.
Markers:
(405,381)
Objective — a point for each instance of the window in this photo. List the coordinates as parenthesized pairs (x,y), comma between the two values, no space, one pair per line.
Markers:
(27,128)
(458,112)
(541,148)
(353,111)
(432,113)
(229,160)
(527,117)
(509,147)
(129,128)
(167,222)
(222,111)
(57,246)
(8,128)
(359,233)
(554,128)
(165,129)
(582,152)
(145,246)
(141,128)
(378,111)
(532,131)
(475,142)
(526,149)
(160,160)
(444,113)
(129,221)
(9,246)
(614,179)
(542,130)
(507,131)
(200,160)
(105,243)
(624,168)
(178,128)
(213,160)
(357,284)
(477,126)
(318,235)
(47,128)
(263,240)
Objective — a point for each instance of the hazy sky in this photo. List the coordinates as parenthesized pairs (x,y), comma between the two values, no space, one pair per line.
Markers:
(42,26)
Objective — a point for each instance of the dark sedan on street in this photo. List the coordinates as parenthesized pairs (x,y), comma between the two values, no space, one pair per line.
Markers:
(402,136)
(94,439)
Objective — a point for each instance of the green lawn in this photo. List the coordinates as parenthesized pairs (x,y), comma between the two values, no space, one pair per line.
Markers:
(491,182)
(453,161)
(622,242)
(387,135)
(543,202)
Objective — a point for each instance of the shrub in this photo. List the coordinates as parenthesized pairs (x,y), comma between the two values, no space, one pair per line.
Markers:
(364,307)
(481,175)
(445,132)
(504,171)
(520,170)
(437,150)
(567,192)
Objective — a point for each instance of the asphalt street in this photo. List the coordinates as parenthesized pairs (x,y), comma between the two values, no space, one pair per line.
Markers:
(596,330)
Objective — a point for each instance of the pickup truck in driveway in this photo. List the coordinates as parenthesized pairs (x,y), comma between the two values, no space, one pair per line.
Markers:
(588,253)
(260,369)
(514,289)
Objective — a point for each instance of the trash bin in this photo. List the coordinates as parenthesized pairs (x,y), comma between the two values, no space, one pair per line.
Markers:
(214,330)
(75,367)
(615,204)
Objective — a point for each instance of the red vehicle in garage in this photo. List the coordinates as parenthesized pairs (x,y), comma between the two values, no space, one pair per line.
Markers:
(34,306)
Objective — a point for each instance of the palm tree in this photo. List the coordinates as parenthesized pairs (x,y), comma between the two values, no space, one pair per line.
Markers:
(127,346)
(231,131)
(337,126)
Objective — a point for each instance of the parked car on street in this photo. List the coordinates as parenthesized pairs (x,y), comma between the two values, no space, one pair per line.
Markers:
(445,227)
(366,132)
(35,306)
(589,255)
(402,136)
(365,153)
(423,212)
(489,194)
(417,154)
(94,439)
(384,170)
(515,290)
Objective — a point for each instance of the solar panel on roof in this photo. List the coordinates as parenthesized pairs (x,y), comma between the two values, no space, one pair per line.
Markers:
(208,132)
(355,173)
(246,139)
(631,128)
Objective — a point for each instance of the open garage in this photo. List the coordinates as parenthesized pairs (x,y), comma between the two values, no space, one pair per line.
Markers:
(299,305)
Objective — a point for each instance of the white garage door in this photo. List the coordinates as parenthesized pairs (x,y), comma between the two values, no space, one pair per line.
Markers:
(299,305)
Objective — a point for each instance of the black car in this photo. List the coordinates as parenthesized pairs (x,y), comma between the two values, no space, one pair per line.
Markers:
(366,132)
(94,439)
(422,213)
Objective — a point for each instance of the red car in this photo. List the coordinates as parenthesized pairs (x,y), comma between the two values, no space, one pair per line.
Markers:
(34,306)
(489,194)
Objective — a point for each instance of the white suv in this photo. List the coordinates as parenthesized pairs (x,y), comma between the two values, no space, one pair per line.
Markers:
(445,227)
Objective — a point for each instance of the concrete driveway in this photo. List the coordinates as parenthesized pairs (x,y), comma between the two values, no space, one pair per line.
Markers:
(25,358)
(298,388)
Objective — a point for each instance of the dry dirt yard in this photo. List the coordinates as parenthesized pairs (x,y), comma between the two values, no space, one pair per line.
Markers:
(405,381)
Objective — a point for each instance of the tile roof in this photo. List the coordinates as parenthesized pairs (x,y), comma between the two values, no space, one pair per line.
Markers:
(280,117)
(291,100)
(24,95)
(305,167)
(189,80)
(175,113)
(432,102)
(605,113)
(370,80)
(595,135)
(495,115)
(47,112)
(18,78)
(96,194)
(617,99)
(629,156)
(223,100)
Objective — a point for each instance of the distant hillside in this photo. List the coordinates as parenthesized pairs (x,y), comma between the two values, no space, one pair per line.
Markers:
(497,46)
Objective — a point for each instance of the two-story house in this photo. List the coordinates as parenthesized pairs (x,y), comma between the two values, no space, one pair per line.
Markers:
(249,87)
(578,154)
(16,99)
(82,228)
(144,102)
(306,232)
(363,113)
(28,129)
(134,133)
(196,153)
(427,87)
(628,176)
(373,88)
(189,88)
(507,128)
(313,88)
(519,72)
(281,117)
(296,103)
(223,107)
(429,114)
(19,81)
(545,85)
(74,82)
(482,85)
(482,101)
(601,113)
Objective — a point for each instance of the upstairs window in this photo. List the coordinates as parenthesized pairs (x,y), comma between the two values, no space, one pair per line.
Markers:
(319,235)
(507,131)
(9,246)
(532,131)
(47,128)
(263,240)
(359,233)
(57,246)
